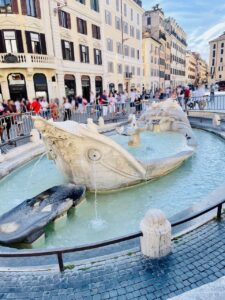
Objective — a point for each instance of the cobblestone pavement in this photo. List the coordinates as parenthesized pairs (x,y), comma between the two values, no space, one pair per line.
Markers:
(197,258)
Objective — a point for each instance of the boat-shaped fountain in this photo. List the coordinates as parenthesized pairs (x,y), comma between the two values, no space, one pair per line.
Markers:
(88,157)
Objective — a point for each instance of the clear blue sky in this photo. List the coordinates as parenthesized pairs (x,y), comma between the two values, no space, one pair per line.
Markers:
(203,20)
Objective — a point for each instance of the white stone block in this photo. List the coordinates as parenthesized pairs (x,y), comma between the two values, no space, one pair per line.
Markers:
(216,120)
(35,136)
(101,122)
(156,229)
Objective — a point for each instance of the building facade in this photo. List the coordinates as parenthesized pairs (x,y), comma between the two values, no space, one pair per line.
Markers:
(122,27)
(63,48)
(151,49)
(173,46)
(191,68)
(217,59)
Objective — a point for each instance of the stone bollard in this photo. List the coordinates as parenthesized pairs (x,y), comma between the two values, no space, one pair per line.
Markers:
(156,229)
(35,136)
(101,122)
(216,120)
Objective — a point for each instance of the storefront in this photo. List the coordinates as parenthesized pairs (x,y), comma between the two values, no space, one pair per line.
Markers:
(40,86)
(70,86)
(17,86)
(86,87)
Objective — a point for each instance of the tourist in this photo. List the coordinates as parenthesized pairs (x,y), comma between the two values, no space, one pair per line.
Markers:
(36,106)
(2,122)
(123,99)
(44,108)
(79,100)
(84,104)
(112,104)
(17,104)
(67,109)
(54,109)
(133,96)
(186,96)
(103,101)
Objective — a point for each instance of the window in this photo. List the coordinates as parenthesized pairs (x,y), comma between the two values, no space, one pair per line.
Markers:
(67,50)
(5,6)
(138,54)
(119,69)
(127,69)
(10,41)
(81,26)
(221,59)
(222,51)
(118,5)
(95,5)
(64,19)
(109,44)
(149,21)
(132,52)
(125,9)
(118,23)
(138,19)
(97,57)
(125,27)
(35,42)
(214,46)
(108,17)
(132,31)
(81,1)
(222,45)
(96,32)
(31,8)
(138,71)
(126,50)
(138,34)
(131,14)
(119,48)
(133,70)
(110,67)
(84,54)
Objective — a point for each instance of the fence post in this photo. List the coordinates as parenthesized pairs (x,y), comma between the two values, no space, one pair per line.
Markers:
(219,211)
(60,262)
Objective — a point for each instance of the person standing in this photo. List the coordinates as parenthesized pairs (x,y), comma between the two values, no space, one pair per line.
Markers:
(67,109)
(186,97)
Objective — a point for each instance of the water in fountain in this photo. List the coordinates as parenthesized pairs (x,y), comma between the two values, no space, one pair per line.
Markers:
(97,223)
(34,168)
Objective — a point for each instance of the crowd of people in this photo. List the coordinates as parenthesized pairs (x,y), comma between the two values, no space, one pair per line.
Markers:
(112,102)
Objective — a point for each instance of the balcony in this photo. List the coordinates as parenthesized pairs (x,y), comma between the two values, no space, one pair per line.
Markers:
(128,75)
(21,60)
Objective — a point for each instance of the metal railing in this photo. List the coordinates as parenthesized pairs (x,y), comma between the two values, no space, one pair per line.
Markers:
(60,251)
(14,127)
(207,103)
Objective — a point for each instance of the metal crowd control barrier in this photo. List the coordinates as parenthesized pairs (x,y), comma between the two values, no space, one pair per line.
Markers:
(207,103)
(18,126)
(60,251)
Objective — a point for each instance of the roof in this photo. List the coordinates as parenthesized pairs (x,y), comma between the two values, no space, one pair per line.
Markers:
(220,38)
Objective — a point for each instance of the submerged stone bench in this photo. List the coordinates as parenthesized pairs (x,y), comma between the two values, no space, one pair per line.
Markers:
(26,222)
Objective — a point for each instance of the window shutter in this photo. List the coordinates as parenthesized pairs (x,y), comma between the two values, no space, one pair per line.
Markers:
(63,49)
(85,27)
(59,14)
(95,58)
(2,43)
(88,60)
(68,21)
(15,7)
(38,9)
(81,56)
(28,39)
(78,25)
(43,44)
(19,41)
(72,51)
(24,7)
(100,58)
(99,33)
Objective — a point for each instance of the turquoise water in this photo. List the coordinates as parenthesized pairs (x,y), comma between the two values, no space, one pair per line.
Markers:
(120,213)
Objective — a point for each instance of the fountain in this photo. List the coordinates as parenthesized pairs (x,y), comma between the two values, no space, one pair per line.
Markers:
(75,148)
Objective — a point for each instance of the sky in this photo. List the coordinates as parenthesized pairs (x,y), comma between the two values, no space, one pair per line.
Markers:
(202,20)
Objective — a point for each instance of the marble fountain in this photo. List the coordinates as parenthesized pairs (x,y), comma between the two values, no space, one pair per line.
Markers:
(152,162)
(88,157)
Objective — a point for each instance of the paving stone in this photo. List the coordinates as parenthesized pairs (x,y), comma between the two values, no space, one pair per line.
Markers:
(190,265)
